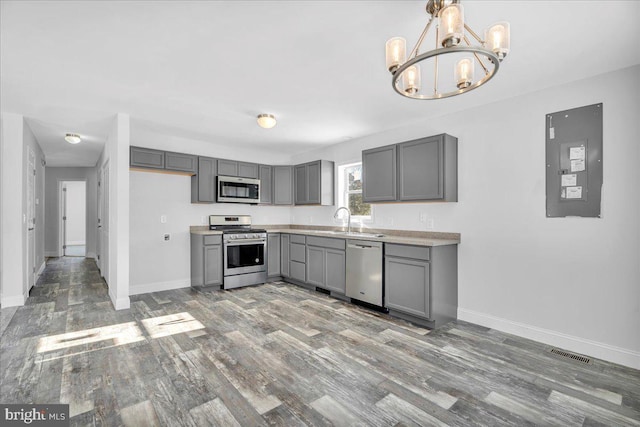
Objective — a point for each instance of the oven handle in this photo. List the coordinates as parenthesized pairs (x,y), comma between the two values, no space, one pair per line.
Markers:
(244,242)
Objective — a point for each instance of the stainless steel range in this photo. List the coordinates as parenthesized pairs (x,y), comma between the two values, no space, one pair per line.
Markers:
(245,250)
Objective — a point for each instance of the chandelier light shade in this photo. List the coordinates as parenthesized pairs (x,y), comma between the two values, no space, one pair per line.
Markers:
(266,121)
(423,75)
(72,138)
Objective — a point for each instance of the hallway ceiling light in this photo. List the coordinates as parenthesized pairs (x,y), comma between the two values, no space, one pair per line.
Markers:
(72,138)
(266,121)
(453,51)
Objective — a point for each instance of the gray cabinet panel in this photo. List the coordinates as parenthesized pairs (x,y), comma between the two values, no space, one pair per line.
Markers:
(227,167)
(421,173)
(213,240)
(315,266)
(300,185)
(297,252)
(213,265)
(407,251)
(313,182)
(248,170)
(203,184)
(282,185)
(297,271)
(181,162)
(273,254)
(146,158)
(335,270)
(326,242)
(407,286)
(379,174)
(266,188)
(298,238)
(284,255)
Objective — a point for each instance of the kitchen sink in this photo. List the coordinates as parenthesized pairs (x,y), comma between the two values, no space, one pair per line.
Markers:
(357,234)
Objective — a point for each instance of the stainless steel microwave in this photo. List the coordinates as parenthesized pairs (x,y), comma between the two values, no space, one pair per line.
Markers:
(234,189)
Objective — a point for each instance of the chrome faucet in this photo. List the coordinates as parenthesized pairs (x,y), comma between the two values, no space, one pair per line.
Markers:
(335,215)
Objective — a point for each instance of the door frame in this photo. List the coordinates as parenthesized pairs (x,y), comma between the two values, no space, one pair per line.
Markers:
(61,213)
(30,250)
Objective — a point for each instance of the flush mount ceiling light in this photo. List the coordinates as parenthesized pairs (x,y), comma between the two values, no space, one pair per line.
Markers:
(266,121)
(453,51)
(72,138)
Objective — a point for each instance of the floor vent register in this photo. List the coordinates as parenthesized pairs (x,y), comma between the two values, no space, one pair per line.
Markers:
(572,356)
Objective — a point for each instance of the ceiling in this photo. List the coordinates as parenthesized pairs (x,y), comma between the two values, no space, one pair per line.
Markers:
(206,69)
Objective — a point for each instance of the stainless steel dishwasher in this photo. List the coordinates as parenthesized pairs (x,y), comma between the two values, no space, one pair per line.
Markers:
(364,271)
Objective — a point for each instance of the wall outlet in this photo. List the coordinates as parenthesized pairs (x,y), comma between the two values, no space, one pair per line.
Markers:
(422,217)
(166,237)
(431,225)
(203,219)
(310,220)
(163,219)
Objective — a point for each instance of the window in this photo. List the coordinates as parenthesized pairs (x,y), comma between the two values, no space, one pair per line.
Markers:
(350,187)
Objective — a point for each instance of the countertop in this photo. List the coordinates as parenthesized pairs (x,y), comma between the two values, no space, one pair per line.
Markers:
(404,237)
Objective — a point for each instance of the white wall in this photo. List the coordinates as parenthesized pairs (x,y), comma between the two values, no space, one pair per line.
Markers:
(159,265)
(76,225)
(571,282)
(54,176)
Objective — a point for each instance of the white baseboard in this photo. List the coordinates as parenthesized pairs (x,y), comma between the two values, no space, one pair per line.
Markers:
(91,255)
(146,288)
(119,303)
(51,254)
(76,243)
(584,346)
(41,269)
(12,301)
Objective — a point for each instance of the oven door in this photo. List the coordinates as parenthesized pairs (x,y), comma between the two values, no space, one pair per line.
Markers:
(245,256)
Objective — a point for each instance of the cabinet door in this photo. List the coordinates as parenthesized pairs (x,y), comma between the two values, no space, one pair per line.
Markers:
(213,265)
(315,266)
(146,158)
(313,182)
(284,255)
(282,185)
(298,271)
(266,189)
(407,286)
(248,170)
(227,167)
(335,270)
(273,254)
(203,184)
(300,185)
(180,162)
(379,174)
(421,173)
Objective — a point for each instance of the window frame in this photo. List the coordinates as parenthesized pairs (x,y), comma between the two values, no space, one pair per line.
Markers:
(344,192)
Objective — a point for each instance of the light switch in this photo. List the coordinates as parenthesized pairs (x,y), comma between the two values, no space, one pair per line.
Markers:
(431,224)
(163,219)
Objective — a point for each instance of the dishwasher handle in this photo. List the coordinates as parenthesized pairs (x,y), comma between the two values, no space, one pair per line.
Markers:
(364,245)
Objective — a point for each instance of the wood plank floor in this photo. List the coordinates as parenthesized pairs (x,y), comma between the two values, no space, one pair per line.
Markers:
(277,354)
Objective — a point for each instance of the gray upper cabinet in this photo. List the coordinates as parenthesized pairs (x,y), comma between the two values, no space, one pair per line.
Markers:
(282,185)
(420,170)
(273,254)
(181,162)
(313,183)
(234,168)
(379,174)
(203,184)
(428,169)
(266,184)
(146,158)
(227,167)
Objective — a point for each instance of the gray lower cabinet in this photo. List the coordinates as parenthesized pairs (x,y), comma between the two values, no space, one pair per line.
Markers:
(313,183)
(284,255)
(266,184)
(206,260)
(379,174)
(422,282)
(326,263)
(273,254)
(180,162)
(203,183)
(283,185)
(297,258)
(140,157)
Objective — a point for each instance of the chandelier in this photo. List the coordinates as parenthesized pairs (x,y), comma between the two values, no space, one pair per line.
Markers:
(472,65)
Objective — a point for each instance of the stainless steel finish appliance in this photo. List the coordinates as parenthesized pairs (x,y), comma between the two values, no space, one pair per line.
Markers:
(245,250)
(234,189)
(364,271)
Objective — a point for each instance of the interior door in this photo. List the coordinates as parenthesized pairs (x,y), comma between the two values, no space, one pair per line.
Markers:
(31,218)
(64,220)
(105,223)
